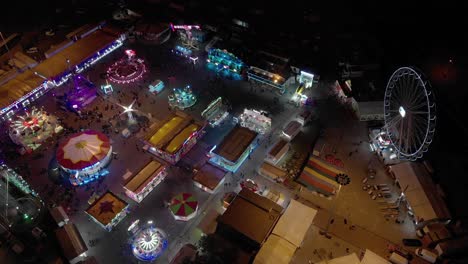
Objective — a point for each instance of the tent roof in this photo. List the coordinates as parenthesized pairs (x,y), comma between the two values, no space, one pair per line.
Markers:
(372,258)
(294,223)
(420,191)
(275,250)
(348,259)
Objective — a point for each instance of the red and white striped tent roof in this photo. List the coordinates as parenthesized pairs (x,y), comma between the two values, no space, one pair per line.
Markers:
(83,149)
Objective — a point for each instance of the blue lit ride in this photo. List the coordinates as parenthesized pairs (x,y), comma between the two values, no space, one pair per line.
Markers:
(223,61)
(182,98)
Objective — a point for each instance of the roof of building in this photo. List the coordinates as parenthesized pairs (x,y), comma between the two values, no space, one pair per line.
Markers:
(138,181)
(81,50)
(420,191)
(70,241)
(295,222)
(251,215)
(106,208)
(272,170)
(235,143)
(208,223)
(209,176)
(275,250)
(171,133)
(278,147)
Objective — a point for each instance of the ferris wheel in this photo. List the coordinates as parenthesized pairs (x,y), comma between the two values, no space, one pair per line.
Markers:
(410,113)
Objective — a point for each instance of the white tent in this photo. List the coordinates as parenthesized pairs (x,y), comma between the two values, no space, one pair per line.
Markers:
(294,223)
(372,258)
(275,250)
(348,259)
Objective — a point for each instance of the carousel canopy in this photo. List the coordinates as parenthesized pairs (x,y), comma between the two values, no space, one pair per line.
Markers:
(183,205)
(83,149)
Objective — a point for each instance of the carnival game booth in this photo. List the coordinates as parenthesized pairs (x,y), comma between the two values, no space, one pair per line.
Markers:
(33,128)
(208,178)
(234,148)
(255,120)
(320,176)
(156,87)
(84,156)
(215,112)
(172,138)
(139,185)
(108,210)
(278,151)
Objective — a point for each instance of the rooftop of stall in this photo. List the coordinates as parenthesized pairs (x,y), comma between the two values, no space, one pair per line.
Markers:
(105,217)
(209,176)
(235,143)
(171,133)
(138,181)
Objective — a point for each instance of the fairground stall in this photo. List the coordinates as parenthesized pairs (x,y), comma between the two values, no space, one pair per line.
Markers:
(128,69)
(222,61)
(156,87)
(234,149)
(84,155)
(183,206)
(291,130)
(148,242)
(172,138)
(266,77)
(33,128)
(255,120)
(139,185)
(108,210)
(182,98)
(208,178)
(278,151)
(215,112)
(273,172)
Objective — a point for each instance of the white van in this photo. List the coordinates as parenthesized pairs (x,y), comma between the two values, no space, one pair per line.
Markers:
(427,255)
(396,258)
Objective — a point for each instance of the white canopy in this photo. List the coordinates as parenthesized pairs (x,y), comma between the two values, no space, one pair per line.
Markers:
(348,259)
(275,250)
(295,222)
(372,258)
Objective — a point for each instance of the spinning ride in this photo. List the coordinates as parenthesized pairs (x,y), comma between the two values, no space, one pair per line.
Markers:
(33,128)
(127,70)
(84,156)
(409,111)
(149,243)
(182,98)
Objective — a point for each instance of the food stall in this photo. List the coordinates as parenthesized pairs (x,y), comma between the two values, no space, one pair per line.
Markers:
(139,185)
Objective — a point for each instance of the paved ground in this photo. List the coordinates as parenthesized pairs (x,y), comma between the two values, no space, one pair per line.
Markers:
(340,131)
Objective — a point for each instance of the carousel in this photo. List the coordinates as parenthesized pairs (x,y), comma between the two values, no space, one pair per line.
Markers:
(33,128)
(184,206)
(182,98)
(128,69)
(149,243)
(84,156)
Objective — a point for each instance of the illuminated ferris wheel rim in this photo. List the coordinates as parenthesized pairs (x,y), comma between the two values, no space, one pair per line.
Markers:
(409,101)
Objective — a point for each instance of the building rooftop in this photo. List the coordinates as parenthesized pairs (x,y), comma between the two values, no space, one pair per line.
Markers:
(144,176)
(209,176)
(251,215)
(235,143)
(106,208)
